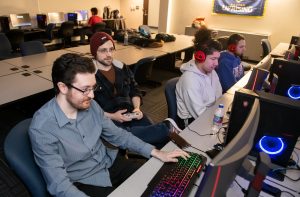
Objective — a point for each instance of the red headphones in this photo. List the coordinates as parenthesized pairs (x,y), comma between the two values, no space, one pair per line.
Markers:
(200,56)
(232,48)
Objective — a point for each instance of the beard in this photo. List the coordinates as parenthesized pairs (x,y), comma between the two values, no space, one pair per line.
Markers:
(104,63)
(79,104)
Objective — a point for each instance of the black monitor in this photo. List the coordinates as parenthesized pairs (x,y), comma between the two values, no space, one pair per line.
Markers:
(41,20)
(223,169)
(82,15)
(56,17)
(294,41)
(278,128)
(72,17)
(20,20)
(288,77)
(257,79)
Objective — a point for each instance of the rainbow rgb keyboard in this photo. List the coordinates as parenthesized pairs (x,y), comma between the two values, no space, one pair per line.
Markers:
(176,179)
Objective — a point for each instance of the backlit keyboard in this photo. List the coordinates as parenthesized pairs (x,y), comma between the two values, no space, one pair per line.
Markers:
(176,179)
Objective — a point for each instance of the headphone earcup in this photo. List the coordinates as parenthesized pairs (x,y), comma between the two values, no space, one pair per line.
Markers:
(232,48)
(200,56)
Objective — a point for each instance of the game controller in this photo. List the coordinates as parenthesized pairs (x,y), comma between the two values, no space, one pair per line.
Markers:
(132,115)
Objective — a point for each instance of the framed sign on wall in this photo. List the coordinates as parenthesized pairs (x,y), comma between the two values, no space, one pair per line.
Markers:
(239,7)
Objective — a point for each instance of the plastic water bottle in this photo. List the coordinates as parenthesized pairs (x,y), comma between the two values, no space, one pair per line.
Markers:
(126,38)
(218,119)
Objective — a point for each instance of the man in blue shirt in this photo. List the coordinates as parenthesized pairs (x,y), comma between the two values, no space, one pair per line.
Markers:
(230,68)
(68,133)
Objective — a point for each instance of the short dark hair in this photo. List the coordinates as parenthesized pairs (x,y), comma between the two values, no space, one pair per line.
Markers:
(67,66)
(204,42)
(94,11)
(234,39)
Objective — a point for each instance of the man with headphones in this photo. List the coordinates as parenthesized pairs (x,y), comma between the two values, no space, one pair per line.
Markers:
(230,68)
(199,86)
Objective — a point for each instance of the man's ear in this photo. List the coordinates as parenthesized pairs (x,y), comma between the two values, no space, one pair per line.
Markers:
(63,88)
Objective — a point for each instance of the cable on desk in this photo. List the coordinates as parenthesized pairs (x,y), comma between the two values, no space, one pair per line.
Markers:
(288,193)
(242,189)
(197,149)
(283,186)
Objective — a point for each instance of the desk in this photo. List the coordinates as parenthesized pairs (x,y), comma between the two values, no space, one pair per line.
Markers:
(279,50)
(85,49)
(17,86)
(139,180)
(6,68)
(37,60)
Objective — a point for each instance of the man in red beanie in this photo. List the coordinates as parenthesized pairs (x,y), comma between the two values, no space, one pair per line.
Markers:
(119,95)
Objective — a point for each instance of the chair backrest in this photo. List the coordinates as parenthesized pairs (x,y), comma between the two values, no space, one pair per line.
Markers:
(98,27)
(18,152)
(5,46)
(32,47)
(49,30)
(266,47)
(142,70)
(223,40)
(66,29)
(16,37)
(171,98)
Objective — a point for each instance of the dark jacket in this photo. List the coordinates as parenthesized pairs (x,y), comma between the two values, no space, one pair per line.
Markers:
(126,88)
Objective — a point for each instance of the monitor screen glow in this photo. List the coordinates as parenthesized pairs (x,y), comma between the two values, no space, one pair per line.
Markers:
(56,17)
(20,20)
(82,15)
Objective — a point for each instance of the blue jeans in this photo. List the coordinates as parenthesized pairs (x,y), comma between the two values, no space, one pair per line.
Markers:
(155,134)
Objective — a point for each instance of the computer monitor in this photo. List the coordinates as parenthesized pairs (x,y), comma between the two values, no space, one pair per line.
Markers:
(257,79)
(294,41)
(82,15)
(288,77)
(56,17)
(20,20)
(223,169)
(265,63)
(72,17)
(41,20)
(278,128)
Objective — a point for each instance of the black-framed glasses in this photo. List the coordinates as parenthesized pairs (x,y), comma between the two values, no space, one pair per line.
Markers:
(86,91)
(106,50)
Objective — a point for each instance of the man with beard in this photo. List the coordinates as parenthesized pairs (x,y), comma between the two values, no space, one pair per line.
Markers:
(199,86)
(119,94)
(67,136)
(230,68)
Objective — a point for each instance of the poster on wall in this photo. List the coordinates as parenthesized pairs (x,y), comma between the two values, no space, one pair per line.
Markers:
(239,7)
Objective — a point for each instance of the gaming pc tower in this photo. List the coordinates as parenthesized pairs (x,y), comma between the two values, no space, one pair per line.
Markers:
(278,128)
(4,22)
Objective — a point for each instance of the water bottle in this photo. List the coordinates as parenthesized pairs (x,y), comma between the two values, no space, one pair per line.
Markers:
(126,38)
(218,119)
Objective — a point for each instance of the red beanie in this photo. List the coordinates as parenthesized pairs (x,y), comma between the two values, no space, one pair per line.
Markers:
(98,39)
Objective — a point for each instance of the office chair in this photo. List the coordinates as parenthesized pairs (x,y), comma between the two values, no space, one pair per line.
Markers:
(171,98)
(18,152)
(223,40)
(6,48)
(48,36)
(266,47)
(142,72)
(16,37)
(32,47)
(66,32)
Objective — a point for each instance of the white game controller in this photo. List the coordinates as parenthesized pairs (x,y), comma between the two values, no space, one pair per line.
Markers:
(132,115)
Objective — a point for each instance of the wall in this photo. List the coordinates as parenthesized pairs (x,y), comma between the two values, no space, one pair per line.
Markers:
(281,18)
(44,6)
(133,16)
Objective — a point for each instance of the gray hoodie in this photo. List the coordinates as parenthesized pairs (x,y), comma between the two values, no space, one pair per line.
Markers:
(195,91)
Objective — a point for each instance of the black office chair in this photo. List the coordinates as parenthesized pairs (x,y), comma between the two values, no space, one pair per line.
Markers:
(142,72)
(16,37)
(6,48)
(266,47)
(223,40)
(18,152)
(48,36)
(32,47)
(66,32)
(171,98)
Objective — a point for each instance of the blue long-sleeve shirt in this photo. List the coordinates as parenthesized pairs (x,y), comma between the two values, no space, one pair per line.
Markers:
(69,151)
(229,70)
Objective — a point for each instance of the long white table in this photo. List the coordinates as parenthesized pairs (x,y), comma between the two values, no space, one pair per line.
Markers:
(6,68)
